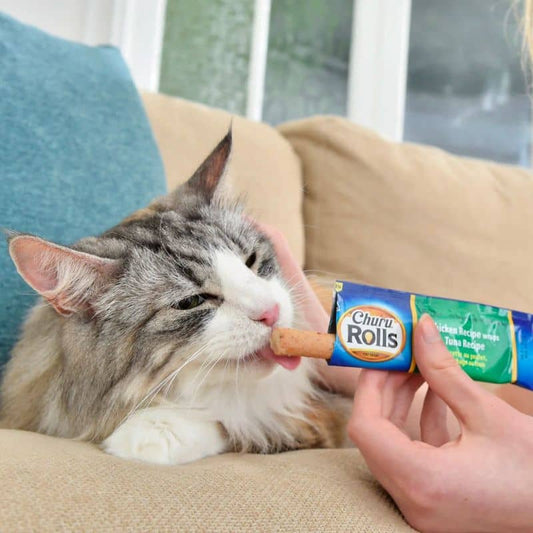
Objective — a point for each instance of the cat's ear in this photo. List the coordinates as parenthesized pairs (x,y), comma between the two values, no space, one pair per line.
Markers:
(210,173)
(68,279)
(203,184)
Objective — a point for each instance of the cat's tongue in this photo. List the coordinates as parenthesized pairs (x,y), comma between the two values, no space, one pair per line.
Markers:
(290,363)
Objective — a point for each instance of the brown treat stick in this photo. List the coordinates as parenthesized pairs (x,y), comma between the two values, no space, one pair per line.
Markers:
(294,342)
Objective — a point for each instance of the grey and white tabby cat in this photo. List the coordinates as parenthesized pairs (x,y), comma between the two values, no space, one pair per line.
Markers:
(153,338)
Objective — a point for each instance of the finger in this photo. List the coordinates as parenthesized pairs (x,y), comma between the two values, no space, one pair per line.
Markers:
(395,382)
(289,265)
(404,400)
(433,420)
(444,375)
(386,394)
(314,312)
(394,388)
(385,447)
(368,400)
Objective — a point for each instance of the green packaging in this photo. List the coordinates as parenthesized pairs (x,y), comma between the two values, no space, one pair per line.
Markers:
(374,329)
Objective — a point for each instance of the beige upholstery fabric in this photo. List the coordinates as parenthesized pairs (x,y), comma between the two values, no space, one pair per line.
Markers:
(263,167)
(54,485)
(414,218)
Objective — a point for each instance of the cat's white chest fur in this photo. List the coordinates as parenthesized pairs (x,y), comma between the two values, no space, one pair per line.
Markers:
(256,414)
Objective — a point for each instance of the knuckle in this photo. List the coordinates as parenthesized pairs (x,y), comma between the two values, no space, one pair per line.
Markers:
(446,363)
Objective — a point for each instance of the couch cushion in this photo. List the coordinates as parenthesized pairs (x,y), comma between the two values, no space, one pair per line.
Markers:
(76,150)
(263,166)
(412,217)
(60,485)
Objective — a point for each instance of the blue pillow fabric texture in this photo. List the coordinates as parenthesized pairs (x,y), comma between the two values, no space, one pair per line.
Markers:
(76,150)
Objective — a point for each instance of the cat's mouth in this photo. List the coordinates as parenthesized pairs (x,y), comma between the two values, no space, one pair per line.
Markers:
(266,353)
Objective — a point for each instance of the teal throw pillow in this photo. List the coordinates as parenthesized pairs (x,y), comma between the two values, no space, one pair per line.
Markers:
(76,150)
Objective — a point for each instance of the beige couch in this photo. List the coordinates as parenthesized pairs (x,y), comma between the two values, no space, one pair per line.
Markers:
(399,216)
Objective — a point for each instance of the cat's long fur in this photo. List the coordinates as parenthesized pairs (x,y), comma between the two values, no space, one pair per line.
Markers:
(106,356)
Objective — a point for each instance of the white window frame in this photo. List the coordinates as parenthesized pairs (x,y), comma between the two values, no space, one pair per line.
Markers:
(258,60)
(134,26)
(137,28)
(377,79)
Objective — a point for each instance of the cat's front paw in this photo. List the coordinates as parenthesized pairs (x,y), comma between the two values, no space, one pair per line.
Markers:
(165,436)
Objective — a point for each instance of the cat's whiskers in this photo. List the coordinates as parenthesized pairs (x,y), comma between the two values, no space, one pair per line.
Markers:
(169,380)
(323,273)
(210,364)
(299,298)
(152,393)
(225,370)
(289,281)
(237,381)
(296,288)
(198,387)
(205,362)
(175,373)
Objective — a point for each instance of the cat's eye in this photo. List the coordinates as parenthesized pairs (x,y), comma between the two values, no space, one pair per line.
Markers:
(190,302)
(251,260)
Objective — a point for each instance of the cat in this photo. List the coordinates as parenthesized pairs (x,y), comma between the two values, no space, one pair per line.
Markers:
(152,339)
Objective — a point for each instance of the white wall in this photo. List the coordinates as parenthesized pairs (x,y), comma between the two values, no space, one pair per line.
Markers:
(64,18)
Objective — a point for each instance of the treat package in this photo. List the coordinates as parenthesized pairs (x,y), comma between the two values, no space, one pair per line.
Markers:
(373,328)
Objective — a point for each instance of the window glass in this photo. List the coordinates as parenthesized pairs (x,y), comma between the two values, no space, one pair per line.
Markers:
(308,57)
(466,88)
(206,49)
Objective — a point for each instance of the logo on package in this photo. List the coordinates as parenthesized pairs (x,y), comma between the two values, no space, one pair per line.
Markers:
(371,333)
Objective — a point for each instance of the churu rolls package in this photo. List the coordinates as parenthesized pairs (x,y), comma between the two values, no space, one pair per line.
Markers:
(372,327)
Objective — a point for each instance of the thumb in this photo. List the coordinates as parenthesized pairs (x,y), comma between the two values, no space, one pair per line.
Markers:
(446,378)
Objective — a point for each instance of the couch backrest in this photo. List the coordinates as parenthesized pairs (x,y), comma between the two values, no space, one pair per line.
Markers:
(263,167)
(414,218)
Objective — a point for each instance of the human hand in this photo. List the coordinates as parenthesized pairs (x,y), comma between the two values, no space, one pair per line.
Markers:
(481,481)
(338,379)
(314,314)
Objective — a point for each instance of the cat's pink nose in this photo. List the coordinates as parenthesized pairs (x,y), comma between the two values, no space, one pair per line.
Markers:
(270,316)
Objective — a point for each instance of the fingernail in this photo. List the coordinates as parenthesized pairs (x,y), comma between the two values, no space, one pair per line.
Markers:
(430,333)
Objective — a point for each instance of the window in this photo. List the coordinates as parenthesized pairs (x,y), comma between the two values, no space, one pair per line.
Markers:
(308,59)
(466,90)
